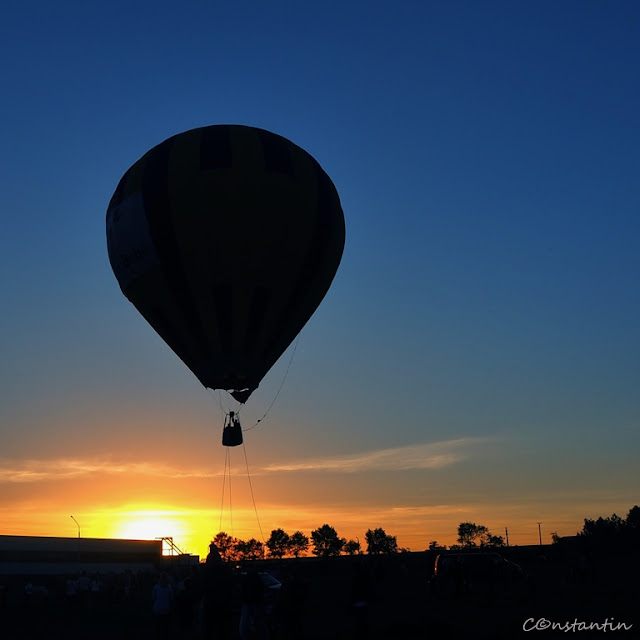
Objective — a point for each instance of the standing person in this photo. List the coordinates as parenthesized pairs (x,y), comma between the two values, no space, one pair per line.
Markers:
(217,597)
(94,591)
(71,593)
(184,603)
(162,606)
(361,596)
(252,623)
(291,605)
(83,583)
(28,594)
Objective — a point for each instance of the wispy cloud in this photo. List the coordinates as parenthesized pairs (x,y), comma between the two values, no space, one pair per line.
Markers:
(67,469)
(435,455)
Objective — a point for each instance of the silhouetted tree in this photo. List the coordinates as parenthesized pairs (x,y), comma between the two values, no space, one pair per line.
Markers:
(352,547)
(491,541)
(278,543)
(298,544)
(378,542)
(613,531)
(473,535)
(602,527)
(249,550)
(326,542)
(469,533)
(632,528)
(633,518)
(434,546)
(226,545)
(603,532)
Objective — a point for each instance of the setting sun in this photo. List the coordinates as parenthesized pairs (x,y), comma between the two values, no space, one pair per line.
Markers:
(149,525)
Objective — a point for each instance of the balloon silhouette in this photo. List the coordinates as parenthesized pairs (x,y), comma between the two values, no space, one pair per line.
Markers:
(226,239)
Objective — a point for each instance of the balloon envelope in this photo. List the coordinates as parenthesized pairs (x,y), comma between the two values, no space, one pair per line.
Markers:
(226,239)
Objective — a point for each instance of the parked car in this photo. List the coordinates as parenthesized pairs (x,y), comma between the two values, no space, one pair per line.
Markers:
(269,582)
(270,588)
(472,572)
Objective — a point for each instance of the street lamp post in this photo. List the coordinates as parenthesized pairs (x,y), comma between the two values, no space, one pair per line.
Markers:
(78,544)
(76,525)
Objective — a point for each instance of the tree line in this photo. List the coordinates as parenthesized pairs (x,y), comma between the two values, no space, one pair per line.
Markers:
(609,532)
(613,531)
(471,536)
(325,541)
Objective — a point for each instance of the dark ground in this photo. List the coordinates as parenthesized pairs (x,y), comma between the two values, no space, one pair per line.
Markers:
(559,588)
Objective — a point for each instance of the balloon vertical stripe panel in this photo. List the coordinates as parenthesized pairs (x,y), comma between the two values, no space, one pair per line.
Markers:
(235,234)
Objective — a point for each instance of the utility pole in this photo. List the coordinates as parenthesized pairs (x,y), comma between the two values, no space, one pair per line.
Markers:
(506,533)
(540,534)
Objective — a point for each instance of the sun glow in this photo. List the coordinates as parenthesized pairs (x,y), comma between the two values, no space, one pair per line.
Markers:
(149,525)
(191,529)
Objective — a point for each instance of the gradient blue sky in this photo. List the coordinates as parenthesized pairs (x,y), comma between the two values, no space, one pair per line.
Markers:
(477,357)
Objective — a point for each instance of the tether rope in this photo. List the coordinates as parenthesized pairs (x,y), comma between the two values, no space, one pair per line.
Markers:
(295,346)
(224,478)
(227,471)
(227,462)
(255,508)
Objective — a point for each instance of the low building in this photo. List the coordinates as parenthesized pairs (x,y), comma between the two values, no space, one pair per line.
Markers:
(32,555)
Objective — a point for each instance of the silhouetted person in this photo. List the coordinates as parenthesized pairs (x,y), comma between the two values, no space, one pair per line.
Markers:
(252,623)
(83,584)
(184,603)
(71,594)
(217,597)
(292,604)
(28,594)
(361,596)
(162,606)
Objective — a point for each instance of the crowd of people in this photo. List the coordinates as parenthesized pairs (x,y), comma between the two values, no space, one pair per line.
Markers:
(212,600)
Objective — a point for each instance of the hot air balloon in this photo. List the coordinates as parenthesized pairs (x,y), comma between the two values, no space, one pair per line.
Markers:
(226,239)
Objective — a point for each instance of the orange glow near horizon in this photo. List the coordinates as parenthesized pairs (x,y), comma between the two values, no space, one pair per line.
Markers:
(149,500)
(193,529)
